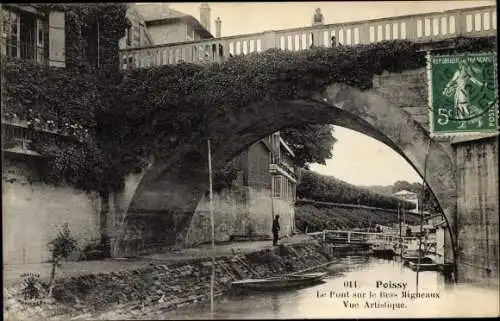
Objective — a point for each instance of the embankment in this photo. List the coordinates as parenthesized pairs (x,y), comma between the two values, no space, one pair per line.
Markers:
(318,216)
(160,286)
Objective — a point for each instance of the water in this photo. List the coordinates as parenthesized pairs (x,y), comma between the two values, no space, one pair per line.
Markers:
(326,300)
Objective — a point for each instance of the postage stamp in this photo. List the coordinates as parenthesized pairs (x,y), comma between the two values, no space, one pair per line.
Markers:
(463,93)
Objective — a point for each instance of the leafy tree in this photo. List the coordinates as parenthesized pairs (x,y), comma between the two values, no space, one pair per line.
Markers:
(310,143)
(61,247)
(224,177)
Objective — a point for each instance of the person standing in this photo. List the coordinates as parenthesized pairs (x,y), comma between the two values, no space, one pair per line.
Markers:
(276,229)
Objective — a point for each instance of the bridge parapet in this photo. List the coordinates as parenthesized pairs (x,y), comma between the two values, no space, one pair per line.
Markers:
(421,28)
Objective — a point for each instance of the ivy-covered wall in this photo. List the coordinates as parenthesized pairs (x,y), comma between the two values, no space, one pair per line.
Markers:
(129,116)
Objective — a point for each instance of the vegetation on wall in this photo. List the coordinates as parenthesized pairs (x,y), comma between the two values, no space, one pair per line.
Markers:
(128,117)
(314,186)
(87,23)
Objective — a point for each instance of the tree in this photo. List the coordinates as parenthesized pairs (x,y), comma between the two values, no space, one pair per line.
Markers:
(61,247)
(310,143)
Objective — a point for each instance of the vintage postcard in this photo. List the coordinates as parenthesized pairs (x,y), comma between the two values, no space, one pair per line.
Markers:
(249,160)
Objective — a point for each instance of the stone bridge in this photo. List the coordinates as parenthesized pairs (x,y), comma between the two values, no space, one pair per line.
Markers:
(162,200)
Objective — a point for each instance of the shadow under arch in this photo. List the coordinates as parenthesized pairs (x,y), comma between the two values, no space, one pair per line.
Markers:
(172,191)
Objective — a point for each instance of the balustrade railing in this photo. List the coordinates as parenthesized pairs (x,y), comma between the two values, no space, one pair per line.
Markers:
(427,27)
(362,237)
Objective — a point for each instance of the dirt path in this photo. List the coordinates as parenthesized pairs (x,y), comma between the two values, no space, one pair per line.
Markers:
(12,273)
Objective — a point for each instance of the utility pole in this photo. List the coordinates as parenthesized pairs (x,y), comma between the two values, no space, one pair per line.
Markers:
(212,278)
(422,212)
(400,233)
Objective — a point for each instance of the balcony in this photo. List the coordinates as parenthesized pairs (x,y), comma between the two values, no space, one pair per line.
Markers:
(421,28)
(17,134)
(281,169)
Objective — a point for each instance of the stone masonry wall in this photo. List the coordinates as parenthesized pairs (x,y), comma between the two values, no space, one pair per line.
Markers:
(230,217)
(477,211)
(408,90)
(33,212)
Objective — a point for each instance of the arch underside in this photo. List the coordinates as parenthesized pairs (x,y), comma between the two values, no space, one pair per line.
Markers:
(173,188)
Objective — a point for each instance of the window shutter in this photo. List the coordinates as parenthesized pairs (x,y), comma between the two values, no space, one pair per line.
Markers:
(57,39)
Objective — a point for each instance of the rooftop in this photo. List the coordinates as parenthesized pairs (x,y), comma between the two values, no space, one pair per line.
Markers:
(159,14)
(404,192)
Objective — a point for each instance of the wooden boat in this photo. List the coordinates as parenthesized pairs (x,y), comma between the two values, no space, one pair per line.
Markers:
(382,249)
(423,266)
(280,282)
(412,256)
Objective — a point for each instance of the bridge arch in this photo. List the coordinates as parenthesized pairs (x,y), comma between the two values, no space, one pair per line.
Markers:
(166,188)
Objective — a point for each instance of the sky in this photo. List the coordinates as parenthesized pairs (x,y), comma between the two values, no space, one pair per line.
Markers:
(250,17)
(357,158)
(361,160)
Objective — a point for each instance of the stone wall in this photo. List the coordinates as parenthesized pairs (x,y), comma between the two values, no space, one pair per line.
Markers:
(411,94)
(239,211)
(33,212)
(477,211)
(230,217)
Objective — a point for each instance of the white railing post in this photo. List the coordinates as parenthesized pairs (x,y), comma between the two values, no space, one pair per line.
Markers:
(349,237)
(269,40)
(190,51)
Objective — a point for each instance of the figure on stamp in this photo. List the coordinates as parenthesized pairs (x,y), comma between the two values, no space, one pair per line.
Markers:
(459,87)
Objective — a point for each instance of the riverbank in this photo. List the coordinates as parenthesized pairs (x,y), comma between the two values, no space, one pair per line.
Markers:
(319,216)
(159,285)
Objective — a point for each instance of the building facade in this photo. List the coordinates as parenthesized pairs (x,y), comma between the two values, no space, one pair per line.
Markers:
(408,196)
(137,34)
(166,25)
(265,187)
(34,34)
(160,25)
(32,211)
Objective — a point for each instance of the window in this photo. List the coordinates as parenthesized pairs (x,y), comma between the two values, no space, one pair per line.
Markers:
(142,37)
(284,188)
(190,34)
(128,35)
(11,24)
(276,186)
(23,35)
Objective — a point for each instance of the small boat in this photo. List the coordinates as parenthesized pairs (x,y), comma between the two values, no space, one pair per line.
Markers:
(280,282)
(423,266)
(382,249)
(412,256)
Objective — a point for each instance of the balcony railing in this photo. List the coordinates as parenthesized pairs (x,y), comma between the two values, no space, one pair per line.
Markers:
(427,27)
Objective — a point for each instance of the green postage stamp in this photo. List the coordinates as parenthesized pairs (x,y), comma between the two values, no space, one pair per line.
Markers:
(463,93)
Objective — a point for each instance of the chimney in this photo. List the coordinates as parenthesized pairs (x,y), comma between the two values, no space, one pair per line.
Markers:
(164,9)
(218,24)
(205,15)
